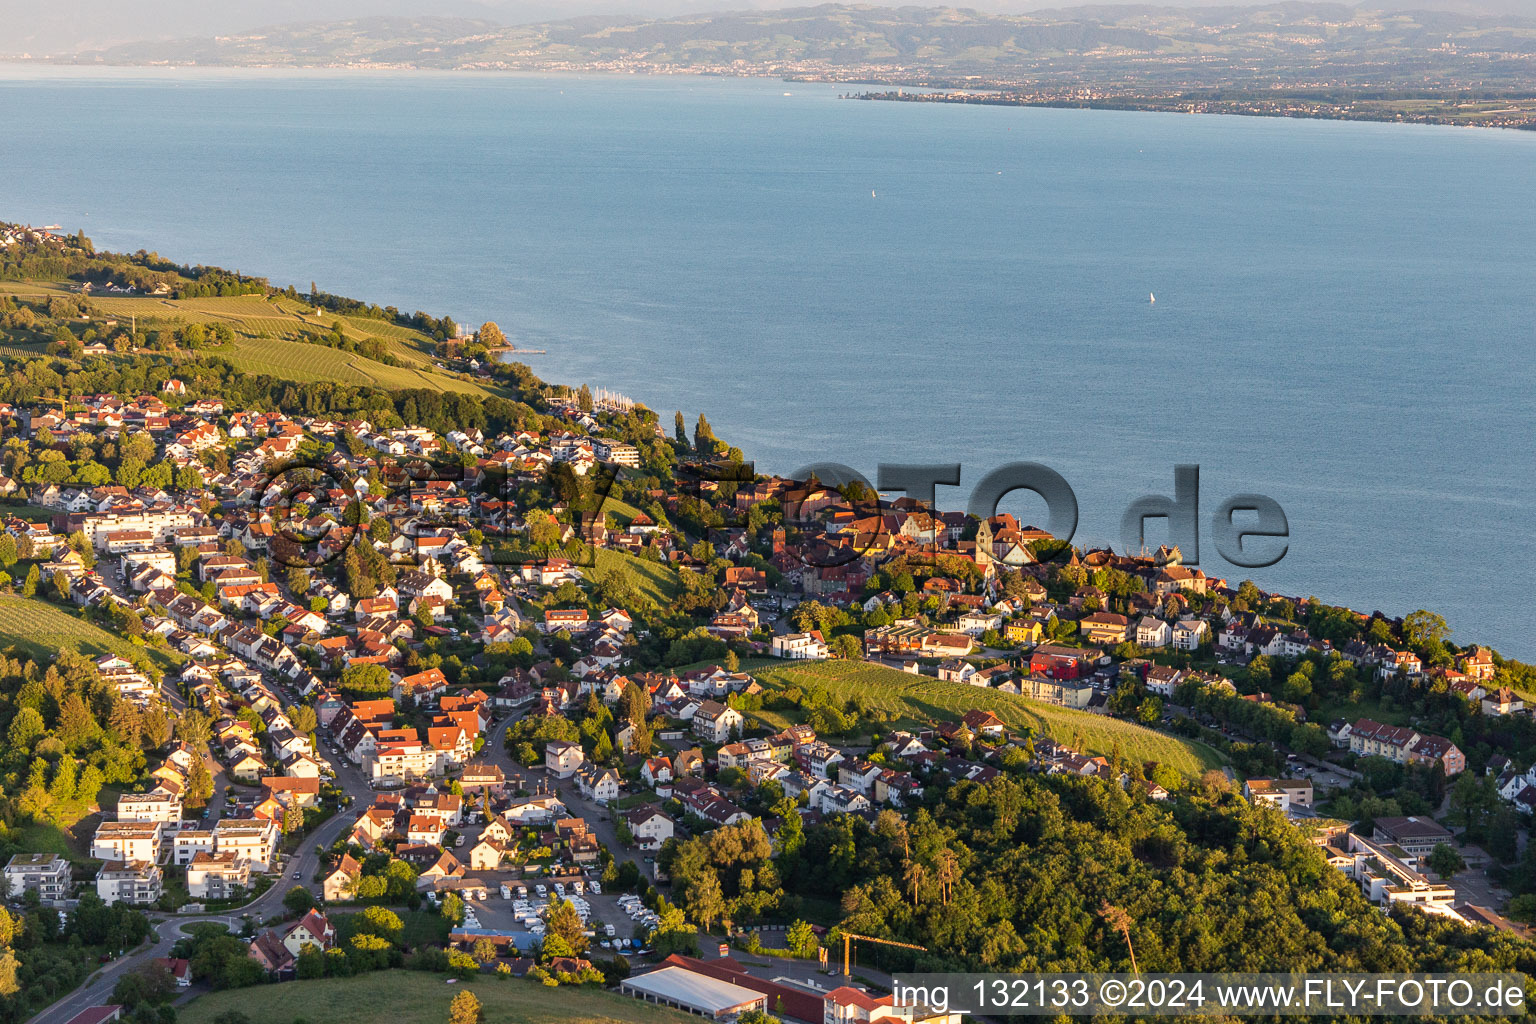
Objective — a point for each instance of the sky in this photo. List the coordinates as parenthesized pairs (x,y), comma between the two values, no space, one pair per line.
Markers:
(42,27)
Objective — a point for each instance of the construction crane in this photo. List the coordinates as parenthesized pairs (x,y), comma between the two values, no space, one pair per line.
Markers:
(848,938)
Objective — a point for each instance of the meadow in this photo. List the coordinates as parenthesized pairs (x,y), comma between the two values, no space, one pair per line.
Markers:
(656,581)
(922,701)
(409,997)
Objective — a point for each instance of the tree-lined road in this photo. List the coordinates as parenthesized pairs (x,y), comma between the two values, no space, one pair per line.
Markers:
(167,931)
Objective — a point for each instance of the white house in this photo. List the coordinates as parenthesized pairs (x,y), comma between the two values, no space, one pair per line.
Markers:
(799,647)
(1189,634)
(1153,632)
(649,826)
(562,759)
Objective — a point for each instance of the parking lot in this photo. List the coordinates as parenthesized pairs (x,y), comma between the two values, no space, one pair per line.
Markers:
(525,913)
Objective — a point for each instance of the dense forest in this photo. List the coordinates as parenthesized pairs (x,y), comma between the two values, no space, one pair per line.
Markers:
(67,734)
(1031,874)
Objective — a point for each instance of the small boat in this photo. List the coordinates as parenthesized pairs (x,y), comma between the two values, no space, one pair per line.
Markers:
(872,194)
(1154,299)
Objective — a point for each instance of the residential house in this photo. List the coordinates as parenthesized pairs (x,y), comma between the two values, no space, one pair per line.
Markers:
(649,826)
(562,759)
(714,722)
(340,883)
(598,784)
(1153,632)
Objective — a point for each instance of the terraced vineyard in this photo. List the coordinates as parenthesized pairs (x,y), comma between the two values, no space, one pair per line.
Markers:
(41,629)
(926,701)
(270,337)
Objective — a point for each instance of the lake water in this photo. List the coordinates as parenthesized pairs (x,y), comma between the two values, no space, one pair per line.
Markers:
(1345,313)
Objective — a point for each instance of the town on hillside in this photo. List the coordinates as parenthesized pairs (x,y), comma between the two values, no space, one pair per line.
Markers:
(564,695)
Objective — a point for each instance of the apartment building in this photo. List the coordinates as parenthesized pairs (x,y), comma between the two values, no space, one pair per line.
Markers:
(1284,794)
(46,874)
(159,808)
(217,876)
(127,841)
(398,763)
(253,840)
(188,843)
(135,881)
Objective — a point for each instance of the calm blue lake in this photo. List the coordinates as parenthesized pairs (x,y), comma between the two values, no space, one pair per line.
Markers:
(1345,315)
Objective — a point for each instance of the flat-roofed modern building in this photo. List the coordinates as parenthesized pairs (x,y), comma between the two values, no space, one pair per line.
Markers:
(46,874)
(693,992)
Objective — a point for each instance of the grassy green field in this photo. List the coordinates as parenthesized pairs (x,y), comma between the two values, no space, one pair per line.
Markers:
(41,629)
(923,701)
(656,581)
(409,997)
(72,842)
(269,337)
(31,513)
(1352,710)
(621,510)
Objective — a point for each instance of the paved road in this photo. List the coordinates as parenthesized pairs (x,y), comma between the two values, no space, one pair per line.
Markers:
(97,989)
(599,819)
(305,863)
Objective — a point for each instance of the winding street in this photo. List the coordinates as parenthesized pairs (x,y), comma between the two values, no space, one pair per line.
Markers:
(305,862)
(599,819)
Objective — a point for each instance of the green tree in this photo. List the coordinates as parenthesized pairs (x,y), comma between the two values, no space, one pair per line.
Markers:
(1445,861)
(76,726)
(25,729)
(801,938)
(1424,628)
(465,1009)
(704,437)
(9,986)
(706,901)
(311,963)
(564,923)
(303,718)
(298,900)
(194,729)
(199,783)
(366,680)
(758,1017)
(383,922)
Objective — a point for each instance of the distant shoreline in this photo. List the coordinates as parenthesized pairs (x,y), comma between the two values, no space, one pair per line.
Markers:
(1513,112)
(1456,108)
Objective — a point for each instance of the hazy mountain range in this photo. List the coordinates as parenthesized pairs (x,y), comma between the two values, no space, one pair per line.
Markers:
(63,27)
(1324,43)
